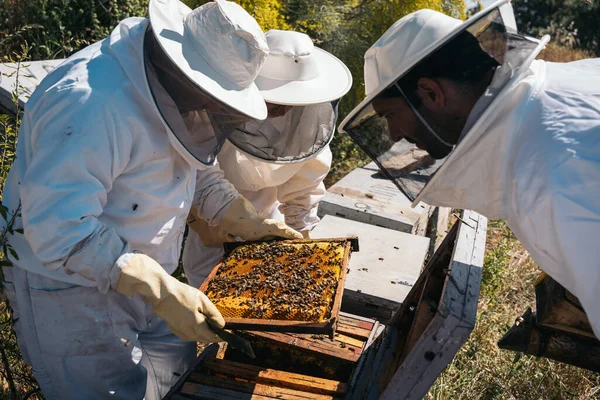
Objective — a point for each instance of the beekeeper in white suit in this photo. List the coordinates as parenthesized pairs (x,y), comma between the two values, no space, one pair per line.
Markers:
(276,166)
(104,178)
(523,136)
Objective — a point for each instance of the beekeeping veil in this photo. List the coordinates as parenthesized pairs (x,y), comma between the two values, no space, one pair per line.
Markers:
(306,83)
(405,48)
(201,65)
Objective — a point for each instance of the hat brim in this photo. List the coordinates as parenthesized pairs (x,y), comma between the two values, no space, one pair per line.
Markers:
(333,82)
(167,20)
(417,58)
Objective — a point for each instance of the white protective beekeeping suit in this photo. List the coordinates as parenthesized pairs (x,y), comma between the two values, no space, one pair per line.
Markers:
(530,150)
(536,164)
(104,178)
(278,164)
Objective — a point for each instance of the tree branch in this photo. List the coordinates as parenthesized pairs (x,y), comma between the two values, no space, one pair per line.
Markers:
(8,374)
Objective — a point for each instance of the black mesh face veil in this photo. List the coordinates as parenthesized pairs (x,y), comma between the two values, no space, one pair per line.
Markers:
(199,122)
(485,45)
(295,136)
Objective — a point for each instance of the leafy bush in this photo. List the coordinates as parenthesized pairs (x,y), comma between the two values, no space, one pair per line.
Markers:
(57,28)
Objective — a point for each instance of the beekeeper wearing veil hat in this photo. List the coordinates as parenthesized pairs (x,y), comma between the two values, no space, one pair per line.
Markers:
(102,185)
(515,138)
(277,166)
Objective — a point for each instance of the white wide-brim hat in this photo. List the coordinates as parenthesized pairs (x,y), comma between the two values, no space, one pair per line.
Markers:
(218,46)
(297,73)
(409,41)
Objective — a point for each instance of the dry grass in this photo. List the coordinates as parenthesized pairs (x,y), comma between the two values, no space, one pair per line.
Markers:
(481,370)
(556,53)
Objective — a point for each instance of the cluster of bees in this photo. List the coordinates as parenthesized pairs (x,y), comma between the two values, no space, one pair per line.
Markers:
(279,281)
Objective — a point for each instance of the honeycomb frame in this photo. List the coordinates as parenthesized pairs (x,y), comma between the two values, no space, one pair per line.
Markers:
(296,321)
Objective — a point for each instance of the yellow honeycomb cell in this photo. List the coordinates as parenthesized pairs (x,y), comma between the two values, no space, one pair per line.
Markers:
(278,280)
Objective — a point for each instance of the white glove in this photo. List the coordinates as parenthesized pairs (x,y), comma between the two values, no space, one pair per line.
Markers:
(184,308)
(240,220)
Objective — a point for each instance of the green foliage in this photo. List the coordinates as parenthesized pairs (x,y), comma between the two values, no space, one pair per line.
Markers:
(571,23)
(268,13)
(57,28)
(16,378)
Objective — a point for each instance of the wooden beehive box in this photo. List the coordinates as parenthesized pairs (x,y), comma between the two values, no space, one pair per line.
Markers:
(287,365)
(398,361)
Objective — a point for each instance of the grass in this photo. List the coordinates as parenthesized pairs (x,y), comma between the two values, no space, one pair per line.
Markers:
(481,370)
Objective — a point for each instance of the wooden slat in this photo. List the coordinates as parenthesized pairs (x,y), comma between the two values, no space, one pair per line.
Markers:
(354,331)
(258,389)
(349,353)
(349,340)
(276,325)
(276,378)
(339,290)
(197,391)
(359,322)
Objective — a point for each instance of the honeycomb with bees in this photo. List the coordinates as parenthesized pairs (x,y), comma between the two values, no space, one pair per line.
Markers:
(292,280)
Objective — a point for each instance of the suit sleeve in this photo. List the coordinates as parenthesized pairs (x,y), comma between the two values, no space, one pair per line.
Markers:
(76,156)
(300,196)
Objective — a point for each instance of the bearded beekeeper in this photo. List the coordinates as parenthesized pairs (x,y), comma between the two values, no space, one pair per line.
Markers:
(104,178)
(276,166)
(515,139)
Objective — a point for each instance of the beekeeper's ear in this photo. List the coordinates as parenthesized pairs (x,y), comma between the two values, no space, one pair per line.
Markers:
(431,94)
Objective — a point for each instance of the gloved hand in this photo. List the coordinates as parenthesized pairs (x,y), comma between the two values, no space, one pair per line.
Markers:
(240,220)
(305,234)
(184,308)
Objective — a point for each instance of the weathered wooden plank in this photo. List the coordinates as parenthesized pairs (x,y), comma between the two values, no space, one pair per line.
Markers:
(375,332)
(529,337)
(370,379)
(557,308)
(453,321)
(348,340)
(355,320)
(198,391)
(363,197)
(352,318)
(324,346)
(257,388)
(354,331)
(368,305)
(276,378)
(437,227)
